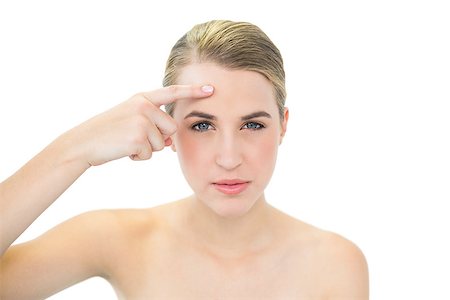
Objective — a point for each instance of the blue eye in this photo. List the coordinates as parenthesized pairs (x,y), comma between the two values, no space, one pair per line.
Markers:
(253,126)
(202,126)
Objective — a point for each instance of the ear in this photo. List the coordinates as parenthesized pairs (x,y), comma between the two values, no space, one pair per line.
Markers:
(284,124)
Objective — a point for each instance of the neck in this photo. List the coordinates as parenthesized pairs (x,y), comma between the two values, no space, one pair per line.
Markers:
(230,237)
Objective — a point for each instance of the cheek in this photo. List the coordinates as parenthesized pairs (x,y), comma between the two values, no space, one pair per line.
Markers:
(192,152)
(264,149)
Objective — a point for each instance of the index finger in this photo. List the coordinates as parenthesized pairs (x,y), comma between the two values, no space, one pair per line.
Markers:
(172,93)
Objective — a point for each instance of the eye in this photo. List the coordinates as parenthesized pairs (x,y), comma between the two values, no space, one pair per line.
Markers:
(253,126)
(201,126)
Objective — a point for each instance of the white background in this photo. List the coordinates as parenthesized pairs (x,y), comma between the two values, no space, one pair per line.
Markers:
(367,149)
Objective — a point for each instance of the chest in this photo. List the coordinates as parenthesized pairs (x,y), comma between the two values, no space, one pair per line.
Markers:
(188,275)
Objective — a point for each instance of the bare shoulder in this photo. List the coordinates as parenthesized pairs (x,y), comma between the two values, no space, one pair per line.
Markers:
(84,246)
(118,226)
(346,269)
(125,226)
(108,231)
(339,265)
(102,223)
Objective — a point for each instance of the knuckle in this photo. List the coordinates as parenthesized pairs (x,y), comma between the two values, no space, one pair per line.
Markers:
(141,151)
(183,91)
(159,146)
(137,141)
(172,127)
(147,155)
(157,142)
(172,89)
(142,104)
(139,97)
(140,122)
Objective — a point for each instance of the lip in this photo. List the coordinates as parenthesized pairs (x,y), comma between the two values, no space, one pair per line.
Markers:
(231,186)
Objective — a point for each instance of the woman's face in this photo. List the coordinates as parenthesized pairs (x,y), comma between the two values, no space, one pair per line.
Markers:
(227,144)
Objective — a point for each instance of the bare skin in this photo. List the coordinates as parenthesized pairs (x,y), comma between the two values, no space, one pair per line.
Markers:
(294,261)
(152,254)
(200,247)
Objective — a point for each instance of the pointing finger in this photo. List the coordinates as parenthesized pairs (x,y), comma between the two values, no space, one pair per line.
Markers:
(172,93)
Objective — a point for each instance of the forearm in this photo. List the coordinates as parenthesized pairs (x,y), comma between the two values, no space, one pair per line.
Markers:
(135,128)
(34,187)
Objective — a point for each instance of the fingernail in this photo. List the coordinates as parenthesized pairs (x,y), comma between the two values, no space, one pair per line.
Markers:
(207,89)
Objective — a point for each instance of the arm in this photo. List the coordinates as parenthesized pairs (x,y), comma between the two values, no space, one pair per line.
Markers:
(27,193)
(134,128)
(63,256)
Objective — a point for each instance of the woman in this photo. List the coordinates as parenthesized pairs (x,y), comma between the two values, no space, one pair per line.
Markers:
(225,118)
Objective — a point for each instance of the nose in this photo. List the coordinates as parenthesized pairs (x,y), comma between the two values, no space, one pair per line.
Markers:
(228,155)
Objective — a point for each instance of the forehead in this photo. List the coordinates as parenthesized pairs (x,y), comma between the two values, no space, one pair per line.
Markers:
(236,92)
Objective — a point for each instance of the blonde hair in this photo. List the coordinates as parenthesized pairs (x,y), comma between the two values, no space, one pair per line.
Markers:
(233,45)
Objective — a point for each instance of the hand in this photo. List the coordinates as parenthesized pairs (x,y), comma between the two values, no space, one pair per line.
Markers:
(134,128)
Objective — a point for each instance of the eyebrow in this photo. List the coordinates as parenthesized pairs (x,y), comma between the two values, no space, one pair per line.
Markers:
(203,115)
(200,114)
(256,115)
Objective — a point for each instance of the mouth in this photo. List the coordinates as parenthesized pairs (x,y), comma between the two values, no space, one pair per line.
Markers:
(231,187)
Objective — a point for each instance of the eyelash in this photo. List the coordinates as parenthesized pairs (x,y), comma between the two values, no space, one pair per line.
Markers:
(196,128)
